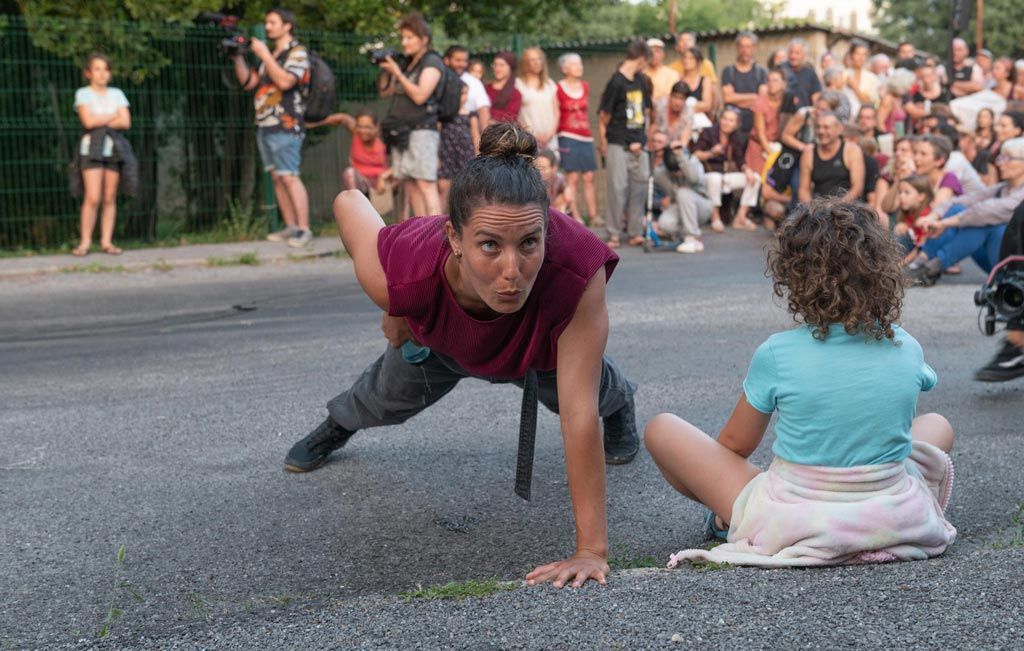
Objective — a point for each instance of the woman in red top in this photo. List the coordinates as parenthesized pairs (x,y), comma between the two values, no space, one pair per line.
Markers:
(502,290)
(505,99)
(368,157)
(575,139)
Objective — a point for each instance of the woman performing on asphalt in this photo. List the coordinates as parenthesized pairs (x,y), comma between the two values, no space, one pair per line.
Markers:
(505,290)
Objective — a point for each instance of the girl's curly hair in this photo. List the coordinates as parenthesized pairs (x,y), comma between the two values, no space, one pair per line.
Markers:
(835,264)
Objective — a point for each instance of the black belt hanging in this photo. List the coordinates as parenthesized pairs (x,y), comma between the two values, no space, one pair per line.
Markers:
(527,435)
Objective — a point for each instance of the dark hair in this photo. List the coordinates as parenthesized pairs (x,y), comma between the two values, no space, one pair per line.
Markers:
(637,49)
(417,24)
(93,56)
(680,88)
(857,44)
(923,186)
(941,146)
(697,54)
(366,113)
(455,49)
(549,156)
(287,17)
(1017,117)
(503,174)
(835,264)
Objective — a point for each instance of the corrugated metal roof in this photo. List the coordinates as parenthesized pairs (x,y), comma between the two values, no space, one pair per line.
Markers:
(621,42)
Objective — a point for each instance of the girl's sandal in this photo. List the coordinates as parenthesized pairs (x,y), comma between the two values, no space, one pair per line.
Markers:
(614,243)
(80,251)
(110,249)
(711,530)
(717,226)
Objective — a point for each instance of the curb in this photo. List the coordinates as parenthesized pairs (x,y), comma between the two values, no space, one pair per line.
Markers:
(133,267)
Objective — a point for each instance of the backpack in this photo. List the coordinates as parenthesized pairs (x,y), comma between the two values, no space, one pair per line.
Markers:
(320,93)
(448,95)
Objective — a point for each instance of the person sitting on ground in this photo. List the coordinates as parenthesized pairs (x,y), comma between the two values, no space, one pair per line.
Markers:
(502,289)
(686,206)
(368,169)
(975,224)
(985,128)
(914,196)
(856,476)
(798,135)
(1010,125)
(979,158)
(930,156)
(1008,364)
(723,153)
(891,117)
(560,195)
(832,167)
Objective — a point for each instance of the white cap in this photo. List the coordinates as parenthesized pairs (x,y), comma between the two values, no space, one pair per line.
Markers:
(656,42)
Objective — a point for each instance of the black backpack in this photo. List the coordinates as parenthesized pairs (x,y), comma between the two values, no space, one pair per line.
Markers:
(320,93)
(448,95)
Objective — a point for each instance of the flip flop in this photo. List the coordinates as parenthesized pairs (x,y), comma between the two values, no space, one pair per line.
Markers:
(717,226)
(80,251)
(636,241)
(711,531)
(614,243)
(745,226)
(110,249)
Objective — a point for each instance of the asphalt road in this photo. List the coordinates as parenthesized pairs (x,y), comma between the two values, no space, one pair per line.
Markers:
(153,410)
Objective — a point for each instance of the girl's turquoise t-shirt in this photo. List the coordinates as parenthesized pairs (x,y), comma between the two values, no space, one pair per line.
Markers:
(846,401)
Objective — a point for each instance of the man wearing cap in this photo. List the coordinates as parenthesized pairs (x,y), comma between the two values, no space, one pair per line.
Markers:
(662,77)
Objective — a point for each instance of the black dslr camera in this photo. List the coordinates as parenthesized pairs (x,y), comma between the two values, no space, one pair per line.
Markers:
(377,56)
(235,40)
(1002,294)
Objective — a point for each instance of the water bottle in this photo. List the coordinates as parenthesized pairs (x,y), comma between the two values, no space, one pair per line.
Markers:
(414,354)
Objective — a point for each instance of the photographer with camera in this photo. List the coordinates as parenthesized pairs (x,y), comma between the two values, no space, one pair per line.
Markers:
(280,118)
(410,128)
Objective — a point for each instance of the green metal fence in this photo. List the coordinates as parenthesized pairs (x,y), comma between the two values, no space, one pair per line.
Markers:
(192,128)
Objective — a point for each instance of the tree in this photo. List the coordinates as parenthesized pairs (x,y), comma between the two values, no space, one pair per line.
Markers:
(925,23)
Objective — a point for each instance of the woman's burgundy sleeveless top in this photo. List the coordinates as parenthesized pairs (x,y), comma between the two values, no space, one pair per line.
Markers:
(413,256)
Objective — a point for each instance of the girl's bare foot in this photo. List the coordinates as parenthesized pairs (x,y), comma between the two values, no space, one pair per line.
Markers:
(717,226)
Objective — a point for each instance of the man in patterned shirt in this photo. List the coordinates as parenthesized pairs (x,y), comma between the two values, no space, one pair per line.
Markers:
(280,119)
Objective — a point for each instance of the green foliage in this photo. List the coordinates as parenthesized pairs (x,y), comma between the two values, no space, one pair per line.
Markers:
(459,590)
(925,23)
(120,586)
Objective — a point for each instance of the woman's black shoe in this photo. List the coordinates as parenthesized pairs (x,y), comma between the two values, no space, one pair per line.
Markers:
(311,452)
(620,440)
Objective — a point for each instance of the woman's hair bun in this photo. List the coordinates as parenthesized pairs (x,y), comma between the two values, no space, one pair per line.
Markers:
(509,140)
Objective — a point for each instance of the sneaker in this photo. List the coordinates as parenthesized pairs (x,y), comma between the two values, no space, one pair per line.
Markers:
(282,235)
(300,239)
(925,274)
(620,439)
(690,245)
(1008,364)
(311,452)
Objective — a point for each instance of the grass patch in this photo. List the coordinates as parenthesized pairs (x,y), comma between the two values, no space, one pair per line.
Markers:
(196,606)
(620,559)
(250,259)
(93,268)
(459,590)
(120,588)
(162,265)
(708,566)
(1017,540)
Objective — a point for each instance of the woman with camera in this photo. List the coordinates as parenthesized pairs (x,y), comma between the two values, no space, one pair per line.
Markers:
(410,128)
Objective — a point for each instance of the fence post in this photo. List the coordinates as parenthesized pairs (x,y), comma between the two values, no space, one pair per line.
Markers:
(517,44)
(268,204)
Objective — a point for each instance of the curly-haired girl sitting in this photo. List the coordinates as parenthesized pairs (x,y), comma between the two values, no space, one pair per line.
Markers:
(856,477)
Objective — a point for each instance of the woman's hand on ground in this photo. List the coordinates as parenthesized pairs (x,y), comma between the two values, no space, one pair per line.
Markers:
(579,568)
(396,329)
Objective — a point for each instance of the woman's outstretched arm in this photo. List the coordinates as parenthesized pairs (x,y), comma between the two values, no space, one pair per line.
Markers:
(358,225)
(580,357)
